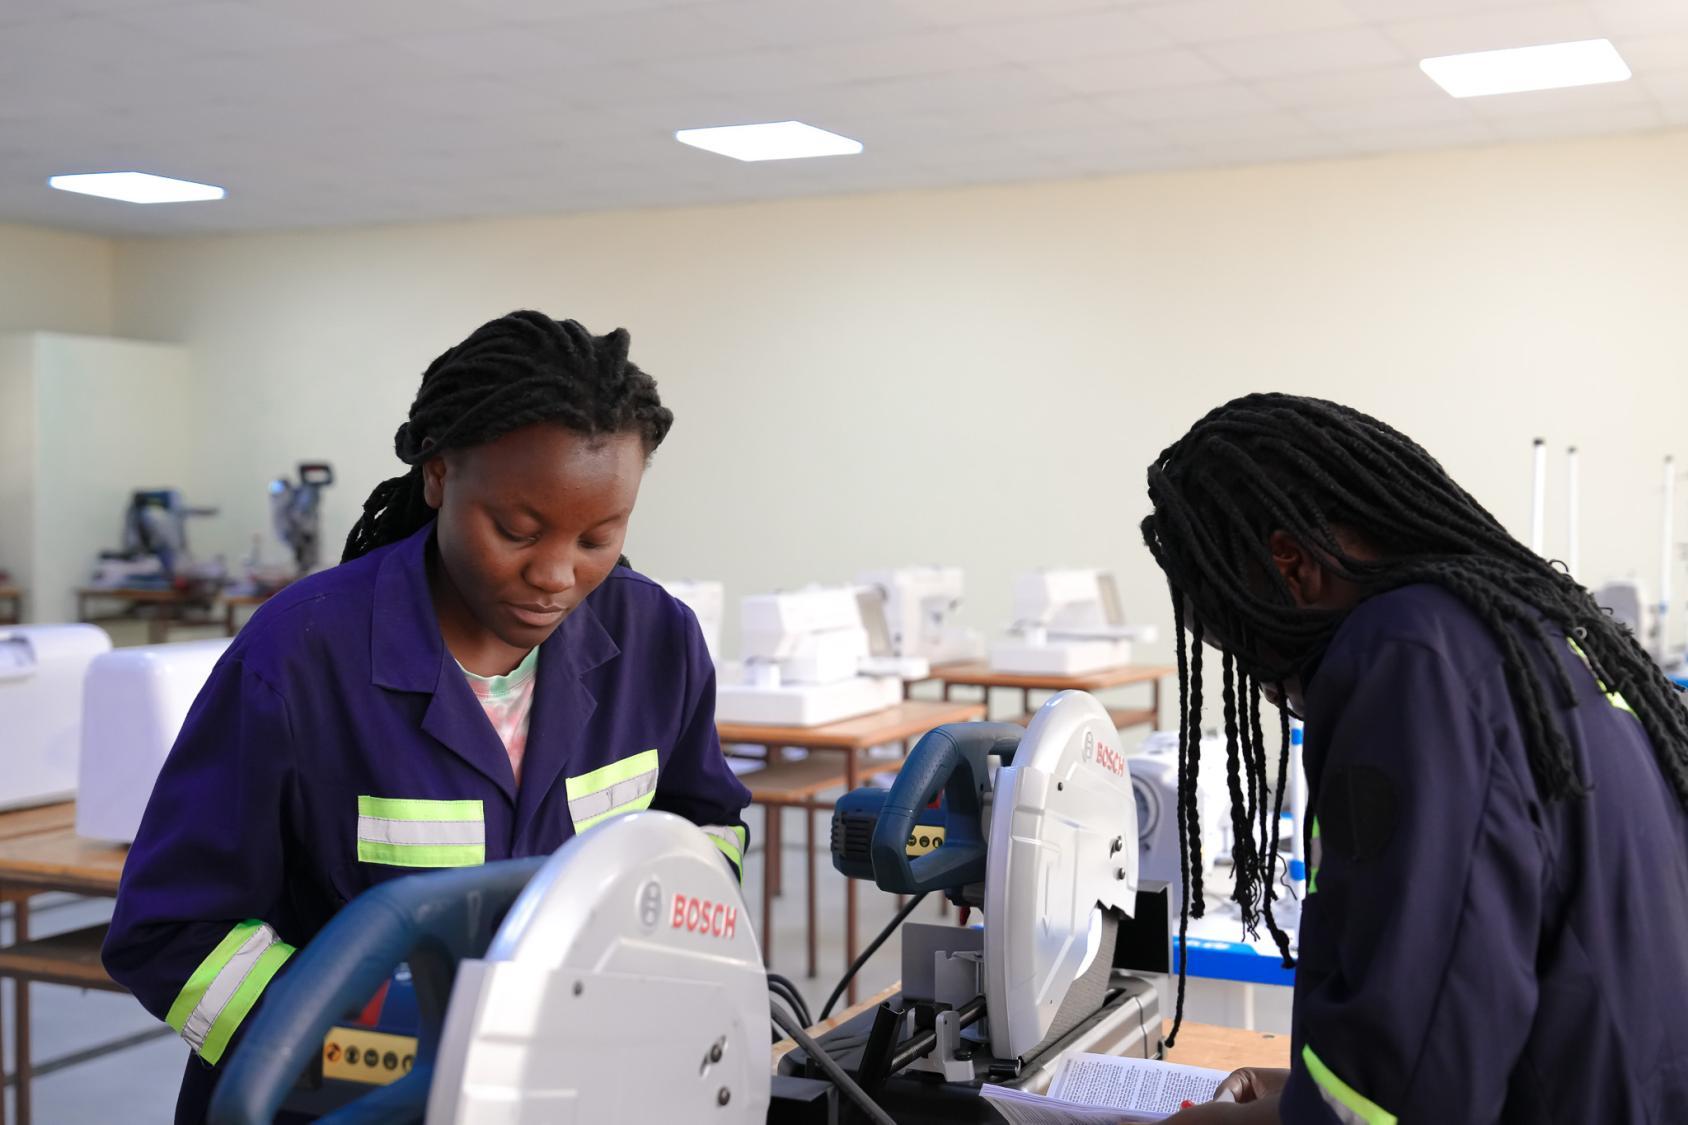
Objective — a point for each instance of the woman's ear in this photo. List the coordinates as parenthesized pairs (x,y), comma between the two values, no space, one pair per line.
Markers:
(1299,570)
(433,482)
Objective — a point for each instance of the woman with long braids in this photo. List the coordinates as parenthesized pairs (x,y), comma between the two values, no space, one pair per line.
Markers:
(1496,920)
(477,680)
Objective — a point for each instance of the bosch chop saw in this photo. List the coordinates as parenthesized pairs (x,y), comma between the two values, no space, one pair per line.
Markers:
(619,979)
(1049,850)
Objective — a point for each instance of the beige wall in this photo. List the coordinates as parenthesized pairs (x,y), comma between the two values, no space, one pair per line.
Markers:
(980,376)
(53,281)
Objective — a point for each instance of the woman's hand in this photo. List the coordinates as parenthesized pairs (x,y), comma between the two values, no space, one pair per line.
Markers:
(1253,1083)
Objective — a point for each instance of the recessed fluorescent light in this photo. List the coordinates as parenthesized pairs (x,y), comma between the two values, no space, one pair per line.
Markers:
(136,187)
(772,140)
(1550,67)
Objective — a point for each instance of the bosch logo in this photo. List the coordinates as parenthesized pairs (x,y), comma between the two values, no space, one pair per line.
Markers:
(650,905)
(1089,745)
(1110,759)
(700,916)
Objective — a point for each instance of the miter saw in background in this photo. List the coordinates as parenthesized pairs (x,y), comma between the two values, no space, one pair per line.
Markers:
(624,982)
(296,512)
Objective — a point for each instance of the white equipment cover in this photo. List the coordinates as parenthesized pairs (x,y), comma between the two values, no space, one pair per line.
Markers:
(1061,848)
(134,706)
(625,985)
(41,675)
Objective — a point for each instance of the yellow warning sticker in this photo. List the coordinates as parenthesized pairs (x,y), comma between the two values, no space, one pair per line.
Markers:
(355,1054)
(926,838)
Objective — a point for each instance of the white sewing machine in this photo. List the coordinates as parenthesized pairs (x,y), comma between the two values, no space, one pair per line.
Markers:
(920,604)
(134,706)
(625,984)
(1067,623)
(813,656)
(41,683)
(706,600)
(1154,780)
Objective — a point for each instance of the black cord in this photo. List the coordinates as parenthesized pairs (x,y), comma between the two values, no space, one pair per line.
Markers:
(787,991)
(872,948)
(833,1071)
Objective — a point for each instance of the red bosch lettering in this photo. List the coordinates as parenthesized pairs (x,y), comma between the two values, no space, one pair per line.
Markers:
(699,915)
(1110,759)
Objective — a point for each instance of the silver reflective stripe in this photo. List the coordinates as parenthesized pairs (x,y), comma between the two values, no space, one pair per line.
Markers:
(1343,1111)
(425,833)
(725,835)
(589,805)
(226,984)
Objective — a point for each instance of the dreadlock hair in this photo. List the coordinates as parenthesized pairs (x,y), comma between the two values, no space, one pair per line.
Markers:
(1270,462)
(510,372)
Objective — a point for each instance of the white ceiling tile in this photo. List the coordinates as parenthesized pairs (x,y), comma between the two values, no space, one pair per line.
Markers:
(1667,85)
(1255,127)
(1493,30)
(1245,150)
(1644,53)
(491,52)
(1384,11)
(1392,113)
(1111,74)
(953,13)
(1096,145)
(214,25)
(649,34)
(1640,17)
(1446,135)
(1216,21)
(1332,49)
(972,91)
(1187,103)
(804,23)
(1053,38)
(1610,119)
(926,52)
(1344,86)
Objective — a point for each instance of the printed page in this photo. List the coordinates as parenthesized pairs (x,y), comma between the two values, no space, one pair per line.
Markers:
(1019,1108)
(1147,1086)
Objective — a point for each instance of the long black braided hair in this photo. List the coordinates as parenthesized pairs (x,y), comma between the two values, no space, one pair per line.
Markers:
(1319,472)
(510,372)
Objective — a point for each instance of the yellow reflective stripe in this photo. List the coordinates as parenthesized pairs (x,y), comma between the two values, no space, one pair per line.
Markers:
(397,808)
(605,776)
(1350,1106)
(225,986)
(1615,698)
(1315,854)
(421,855)
(643,801)
(729,838)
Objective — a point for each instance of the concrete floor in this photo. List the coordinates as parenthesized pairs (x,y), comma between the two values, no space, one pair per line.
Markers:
(138,1084)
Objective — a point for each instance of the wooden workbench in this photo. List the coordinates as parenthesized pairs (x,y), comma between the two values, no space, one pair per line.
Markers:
(41,852)
(11,597)
(983,677)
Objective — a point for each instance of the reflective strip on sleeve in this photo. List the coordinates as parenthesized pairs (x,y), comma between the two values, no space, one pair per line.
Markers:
(1615,698)
(1350,1106)
(226,985)
(414,833)
(620,787)
(1315,852)
(731,839)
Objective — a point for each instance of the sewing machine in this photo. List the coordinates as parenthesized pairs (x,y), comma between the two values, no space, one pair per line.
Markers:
(1154,781)
(706,600)
(1067,623)
(920,604)
(1045,847)
(619,980)
(131,712)
(296,512)
(41,685)
(813,656)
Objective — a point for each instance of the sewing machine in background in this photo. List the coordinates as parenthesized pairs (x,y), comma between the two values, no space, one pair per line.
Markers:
(1066,623)
(42,668)
(707,601)
(920,607)
(813,656)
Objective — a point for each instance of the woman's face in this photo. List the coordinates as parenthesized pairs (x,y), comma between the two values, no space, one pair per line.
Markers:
(529,525)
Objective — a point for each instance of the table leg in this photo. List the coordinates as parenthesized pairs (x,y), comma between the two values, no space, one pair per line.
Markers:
(809,884)
(3,1044)
(946,691)
(228,618)
(850,782)
(20,1015)
(1155,702)
(1025,701)
(770,852)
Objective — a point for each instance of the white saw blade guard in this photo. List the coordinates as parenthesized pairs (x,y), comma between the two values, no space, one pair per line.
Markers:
(1062,847)
(626,984)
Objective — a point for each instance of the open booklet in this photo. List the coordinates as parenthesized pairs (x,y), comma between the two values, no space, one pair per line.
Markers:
(1098,1089)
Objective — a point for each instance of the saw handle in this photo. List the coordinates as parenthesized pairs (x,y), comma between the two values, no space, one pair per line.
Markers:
(951,758)
(432,921)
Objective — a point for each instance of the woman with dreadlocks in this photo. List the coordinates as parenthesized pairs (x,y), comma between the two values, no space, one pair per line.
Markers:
(477,680)
(1496,920)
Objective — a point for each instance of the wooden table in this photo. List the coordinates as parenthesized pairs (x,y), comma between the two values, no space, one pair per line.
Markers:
(1199,1044)
(981,676)
(159,608)
(234,603)
(12,596)
(40,852)
(896,724)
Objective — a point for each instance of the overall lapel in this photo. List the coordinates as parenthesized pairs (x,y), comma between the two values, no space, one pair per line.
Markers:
(562,708)
(408,654)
